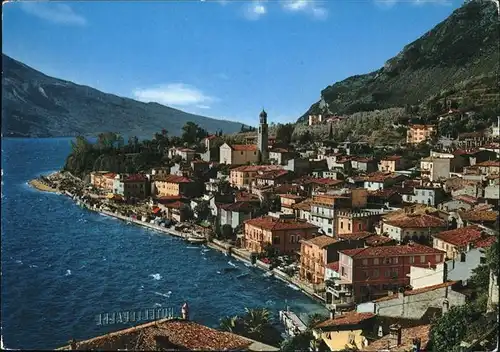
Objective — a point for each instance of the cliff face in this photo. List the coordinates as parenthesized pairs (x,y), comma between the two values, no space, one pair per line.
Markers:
(36,105)
(462,49)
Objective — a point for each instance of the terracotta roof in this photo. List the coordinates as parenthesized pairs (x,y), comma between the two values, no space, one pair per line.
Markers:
(351,318)
(246,197)
(156,210)
(421,127)
(172,179)
(474,215)
(168,198)
(278,150)
(416,209)
(407,336)
(467,199)
(213,136)
(286,188)
(485,242)
(321,241)
(271,223)
(110,175)
(272,175)
(429,288)
(386,251)
(417,221)
(489,163)
(244,147)
(379,176)
(461,236)
(167,334)
(355,235)
(305,205)
(363,160)
(256,168)
(324,181)
(376,240)
(383,193)
(187,150)
(135,178)
(333,266)
(243,207)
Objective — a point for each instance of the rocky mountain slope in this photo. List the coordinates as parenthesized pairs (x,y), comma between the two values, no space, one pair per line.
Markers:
(459,53)
(36,105)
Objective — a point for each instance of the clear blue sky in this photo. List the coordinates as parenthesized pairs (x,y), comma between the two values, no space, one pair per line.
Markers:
(225,59)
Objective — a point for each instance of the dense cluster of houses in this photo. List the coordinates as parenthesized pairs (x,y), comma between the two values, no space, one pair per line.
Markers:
(372,237)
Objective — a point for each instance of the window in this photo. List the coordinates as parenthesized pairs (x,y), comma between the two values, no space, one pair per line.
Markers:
(387,273)
(329,230)
(375,261)
(412,259)
(365,274)
(341,224)
(365,261)
(352,338)
(359,227)
(241,153)
(349,226)
(387,260)
(292,238)
(276,240)
(375,273)
(422,259)
(342,269)
(395,260)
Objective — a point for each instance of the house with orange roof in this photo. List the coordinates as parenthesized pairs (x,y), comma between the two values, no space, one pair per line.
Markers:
(349,221)
(176,211)
(244,176)
(282,232)
(211,143)
(414,338)
(317,252)
(272,177)
(414,227)
(186,154)
(381,180)
(302,210)
(280,156)
(236,213)
(131,186)
(173,185)
(419,133)
(479,217)
(345,331)
(460,240)
(238,154)
(370,272)
(288,200)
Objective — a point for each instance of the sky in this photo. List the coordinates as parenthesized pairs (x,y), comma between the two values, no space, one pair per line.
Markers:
(226,59)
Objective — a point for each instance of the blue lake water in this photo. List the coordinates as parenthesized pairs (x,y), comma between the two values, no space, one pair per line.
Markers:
(62,265)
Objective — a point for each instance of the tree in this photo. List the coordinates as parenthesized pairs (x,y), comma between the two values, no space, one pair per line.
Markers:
(232,324)
(314,319)
(189,132)
(300,342)
(226,231)
(202,210)
(305,138)
(330,133)
(284,133)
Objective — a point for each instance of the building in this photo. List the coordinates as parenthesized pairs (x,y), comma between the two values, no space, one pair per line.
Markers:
(367,165)
(315,254)
(419,133)
(262,138)
(302,210)
(283,233)
(345,331)
(381,180)
(417,228)
(414,304)
(175,211)
(414,338)
(391,164)
(459,203)
(244,176)
(460,240)
(167,334)
(186,154)
(323,209)
(280,156)
(428,195)
(236,213)
(103,180)
(315,119)
(238,154)
(435,169)
(349,221)
(131,186)
(476,217)
(272,177)
(370,272)
(288,201)
(212,151)
(172,185)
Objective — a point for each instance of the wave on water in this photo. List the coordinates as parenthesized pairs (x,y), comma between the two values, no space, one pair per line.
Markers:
(232,264)
(218,272)
(19,261)
(192,247)
(33,266)
(155,276)
(270,302)
(68,273)
(248,265)
(166,295)
(205,250)
(157,305)
(294,287)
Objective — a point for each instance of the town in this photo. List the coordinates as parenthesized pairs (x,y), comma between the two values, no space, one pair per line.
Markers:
(387,245)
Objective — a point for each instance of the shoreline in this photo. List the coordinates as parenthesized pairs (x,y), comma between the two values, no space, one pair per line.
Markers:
(221,247)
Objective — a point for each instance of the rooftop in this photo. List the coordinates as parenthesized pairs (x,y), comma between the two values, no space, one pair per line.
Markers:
(355,235)
(166,334)
(478,215)
(333,266)
(290,196)
(321,241)
(489,163)
(407,336)
(274,224)
(467,199)
(417,221)
(387,251)
(257,168)
(461,236)
(392,158)
(272,175)
(172,179)
(418,291)
(244,207)
(376,240)
(305,205)
(351,318)
(379,176)
(244,147)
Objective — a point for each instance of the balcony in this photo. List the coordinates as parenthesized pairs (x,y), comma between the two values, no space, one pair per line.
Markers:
(340,289)
(321,215)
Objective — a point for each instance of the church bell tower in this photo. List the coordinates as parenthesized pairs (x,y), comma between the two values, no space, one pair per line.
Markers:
(263,138)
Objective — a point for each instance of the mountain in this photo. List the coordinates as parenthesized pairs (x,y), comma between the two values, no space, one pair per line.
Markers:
(458,55)
(36,105)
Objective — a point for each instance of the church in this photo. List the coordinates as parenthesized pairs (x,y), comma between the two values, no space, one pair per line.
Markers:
(241,154)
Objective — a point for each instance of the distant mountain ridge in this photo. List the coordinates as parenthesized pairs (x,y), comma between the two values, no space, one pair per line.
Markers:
(460,52)
(36,105)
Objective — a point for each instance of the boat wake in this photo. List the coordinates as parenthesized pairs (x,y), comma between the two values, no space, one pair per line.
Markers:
(166,295)
(68,273)
(293,287)
(232,264)
(155,276)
